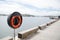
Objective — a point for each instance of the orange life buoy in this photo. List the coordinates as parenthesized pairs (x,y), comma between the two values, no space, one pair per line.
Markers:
(15,20)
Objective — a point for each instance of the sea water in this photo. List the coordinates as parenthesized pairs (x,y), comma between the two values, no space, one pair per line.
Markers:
(28,22)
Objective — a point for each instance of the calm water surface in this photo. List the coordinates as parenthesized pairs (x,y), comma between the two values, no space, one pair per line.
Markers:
(28,22)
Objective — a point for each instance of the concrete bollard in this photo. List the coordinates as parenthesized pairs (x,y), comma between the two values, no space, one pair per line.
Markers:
(43,26)
(51,22)
(26,33)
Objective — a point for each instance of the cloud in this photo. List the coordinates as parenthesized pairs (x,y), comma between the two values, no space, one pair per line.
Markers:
(39,3)
(36,7)
(11,7)
(2,0)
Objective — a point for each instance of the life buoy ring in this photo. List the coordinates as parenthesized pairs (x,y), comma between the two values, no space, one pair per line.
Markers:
(15,20)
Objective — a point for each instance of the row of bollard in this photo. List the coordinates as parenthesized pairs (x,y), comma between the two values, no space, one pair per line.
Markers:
(26,33)
(41,27)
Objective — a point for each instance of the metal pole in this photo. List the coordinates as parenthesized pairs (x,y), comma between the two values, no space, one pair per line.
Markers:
(14,35)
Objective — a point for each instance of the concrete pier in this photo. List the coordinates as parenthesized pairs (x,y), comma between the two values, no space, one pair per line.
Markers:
(52,32)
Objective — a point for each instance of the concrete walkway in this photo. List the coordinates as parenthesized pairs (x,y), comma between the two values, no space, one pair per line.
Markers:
(52,32)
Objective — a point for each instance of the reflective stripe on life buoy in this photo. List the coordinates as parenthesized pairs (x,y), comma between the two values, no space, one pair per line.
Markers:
(18,19)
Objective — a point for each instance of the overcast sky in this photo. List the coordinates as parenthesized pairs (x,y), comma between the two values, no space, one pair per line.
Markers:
(35,7)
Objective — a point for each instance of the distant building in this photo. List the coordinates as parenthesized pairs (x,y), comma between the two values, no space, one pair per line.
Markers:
(58,16)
